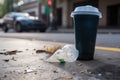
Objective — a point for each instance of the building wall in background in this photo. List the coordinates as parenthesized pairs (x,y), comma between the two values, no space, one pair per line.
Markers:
(65,7)
(31,7)
(103,7)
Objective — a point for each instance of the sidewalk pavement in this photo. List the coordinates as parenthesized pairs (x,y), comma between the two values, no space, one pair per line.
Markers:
(23,63)
(100,31)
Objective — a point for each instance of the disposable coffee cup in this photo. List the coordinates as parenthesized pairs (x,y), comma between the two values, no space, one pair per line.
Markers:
(86,20)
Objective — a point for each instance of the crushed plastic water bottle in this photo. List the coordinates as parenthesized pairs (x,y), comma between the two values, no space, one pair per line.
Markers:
(67,54)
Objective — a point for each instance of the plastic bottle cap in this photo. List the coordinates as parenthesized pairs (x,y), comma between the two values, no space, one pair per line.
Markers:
(86,10)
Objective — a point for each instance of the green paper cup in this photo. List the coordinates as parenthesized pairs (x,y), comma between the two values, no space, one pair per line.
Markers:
(86,20)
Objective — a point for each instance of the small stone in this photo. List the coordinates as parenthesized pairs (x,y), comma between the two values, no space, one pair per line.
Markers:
(41,59)
(6,60)
(2,53)
(41,51)
(108,73)
(5,76)
(13,59)
(64,78)
(4,49)
(10,72)
(84,71)
(27,49)
(35,73)
(68,78)
(90,72)
(99,74)
(93,78)
(19,51)
(80,64)
(14,71)
(109,58)
(55,71)
(44,46)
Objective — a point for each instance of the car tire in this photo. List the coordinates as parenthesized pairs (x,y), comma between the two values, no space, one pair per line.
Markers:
(5,28)
(42,30)
(18,27)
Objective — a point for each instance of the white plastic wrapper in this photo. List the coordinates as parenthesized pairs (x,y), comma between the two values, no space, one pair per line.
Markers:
(68,53)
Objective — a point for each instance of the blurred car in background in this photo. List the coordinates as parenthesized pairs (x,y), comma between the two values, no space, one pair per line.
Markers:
(1,23)
(22,22)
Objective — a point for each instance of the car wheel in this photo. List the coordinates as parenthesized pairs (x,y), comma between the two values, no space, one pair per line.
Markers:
(18,27)
(5,28)
(27,30)
(42,30)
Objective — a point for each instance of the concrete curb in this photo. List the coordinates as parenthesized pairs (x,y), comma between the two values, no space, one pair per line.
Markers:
(100,31)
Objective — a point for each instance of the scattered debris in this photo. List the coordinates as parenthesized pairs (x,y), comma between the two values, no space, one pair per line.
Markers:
(34,49)
(42,59)
(29,71)
(2,53)
(80,64)
(108,73)
(64,78)
(109,58)
(13,59)
(10,52)
(6,60)
(62,60)
(68,78)
(74,73)
(19,51)
(99,74)
(49,49)
(14,71)
(5,76)
(52,48)
(93,78)
(84,71)
(27,49)
(90,72)
(41,51)
(35,73)
(55,71)
(4,50)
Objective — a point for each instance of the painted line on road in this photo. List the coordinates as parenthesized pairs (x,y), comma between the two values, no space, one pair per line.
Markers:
(108,49)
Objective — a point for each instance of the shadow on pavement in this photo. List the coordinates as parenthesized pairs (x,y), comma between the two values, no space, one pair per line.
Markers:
(105,66)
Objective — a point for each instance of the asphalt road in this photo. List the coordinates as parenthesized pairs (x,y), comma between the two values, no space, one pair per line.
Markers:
(105,40)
